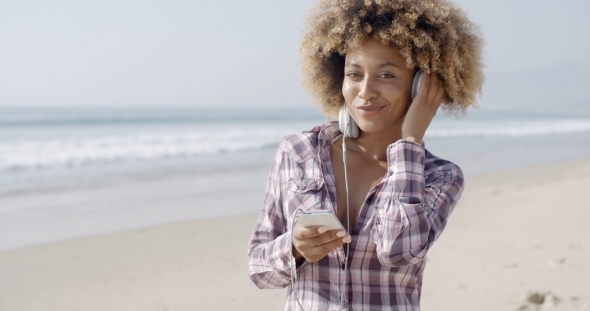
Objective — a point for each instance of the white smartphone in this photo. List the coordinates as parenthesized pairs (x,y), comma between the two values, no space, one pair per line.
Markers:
(322,218)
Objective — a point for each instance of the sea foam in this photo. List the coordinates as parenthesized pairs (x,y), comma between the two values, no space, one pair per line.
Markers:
(215,139)
(509,128)
(76,152)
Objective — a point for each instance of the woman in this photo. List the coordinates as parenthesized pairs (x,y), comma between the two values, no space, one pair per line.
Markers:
(393,195)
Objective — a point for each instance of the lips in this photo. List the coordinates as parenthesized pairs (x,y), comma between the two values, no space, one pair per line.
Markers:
(367,111)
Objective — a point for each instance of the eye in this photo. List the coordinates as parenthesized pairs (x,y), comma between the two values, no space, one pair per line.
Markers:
(386,76)
(353,74)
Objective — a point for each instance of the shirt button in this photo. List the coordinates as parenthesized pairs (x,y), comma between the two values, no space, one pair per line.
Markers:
(354,232)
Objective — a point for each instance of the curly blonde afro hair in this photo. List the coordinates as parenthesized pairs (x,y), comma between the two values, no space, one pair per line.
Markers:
(429,34)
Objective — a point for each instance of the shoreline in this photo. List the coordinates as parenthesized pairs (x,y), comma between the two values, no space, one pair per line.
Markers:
(514,232)
(52,217)
(99,200)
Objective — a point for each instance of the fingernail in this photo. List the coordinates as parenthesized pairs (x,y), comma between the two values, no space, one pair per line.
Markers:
(347,239)
(322,229)
(340,234)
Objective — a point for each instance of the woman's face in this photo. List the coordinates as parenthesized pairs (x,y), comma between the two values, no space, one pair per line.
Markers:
(376,86)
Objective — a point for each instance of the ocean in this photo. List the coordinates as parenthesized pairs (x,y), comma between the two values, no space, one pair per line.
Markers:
(71,172)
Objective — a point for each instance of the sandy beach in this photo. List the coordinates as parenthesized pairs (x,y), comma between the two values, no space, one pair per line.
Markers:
(518,240)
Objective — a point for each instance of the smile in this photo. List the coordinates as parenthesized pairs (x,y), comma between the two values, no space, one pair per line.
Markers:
(367,111)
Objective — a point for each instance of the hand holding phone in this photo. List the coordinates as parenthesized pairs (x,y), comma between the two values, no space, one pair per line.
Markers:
(320,218)
(312,237)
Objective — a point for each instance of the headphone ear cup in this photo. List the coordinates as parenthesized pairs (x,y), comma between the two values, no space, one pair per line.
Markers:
(347,125)
(353,128)
(416,83)
(342,119)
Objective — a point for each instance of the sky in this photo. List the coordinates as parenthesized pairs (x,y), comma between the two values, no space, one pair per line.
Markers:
(234,53)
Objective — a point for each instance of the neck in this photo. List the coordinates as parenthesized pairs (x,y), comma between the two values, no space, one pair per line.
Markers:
(374,145)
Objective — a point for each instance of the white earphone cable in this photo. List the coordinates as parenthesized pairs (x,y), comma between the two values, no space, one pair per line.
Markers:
(343,303)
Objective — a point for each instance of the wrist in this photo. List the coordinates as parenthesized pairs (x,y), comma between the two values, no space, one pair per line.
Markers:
(412,138)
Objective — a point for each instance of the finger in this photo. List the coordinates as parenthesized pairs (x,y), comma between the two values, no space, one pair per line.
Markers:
(433,88)
(440,93)
(326,237)
(437,86)
(424,83)
(304,233)
(316,253)
(305,245)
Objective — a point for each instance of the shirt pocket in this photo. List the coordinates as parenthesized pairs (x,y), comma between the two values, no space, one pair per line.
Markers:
(305,193)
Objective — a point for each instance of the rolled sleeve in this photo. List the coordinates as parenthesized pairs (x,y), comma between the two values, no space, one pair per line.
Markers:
(406,167)
(269,248)
(414,213)
(270,263)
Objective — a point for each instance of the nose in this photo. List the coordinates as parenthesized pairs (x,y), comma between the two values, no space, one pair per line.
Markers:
(367,89)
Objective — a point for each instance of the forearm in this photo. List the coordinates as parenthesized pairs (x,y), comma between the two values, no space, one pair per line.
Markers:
(413,214)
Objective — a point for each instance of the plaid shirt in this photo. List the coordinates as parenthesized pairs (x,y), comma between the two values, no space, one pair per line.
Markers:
(398,222)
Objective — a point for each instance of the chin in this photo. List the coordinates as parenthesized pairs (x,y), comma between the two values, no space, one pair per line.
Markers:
(370,127)
(378,127)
